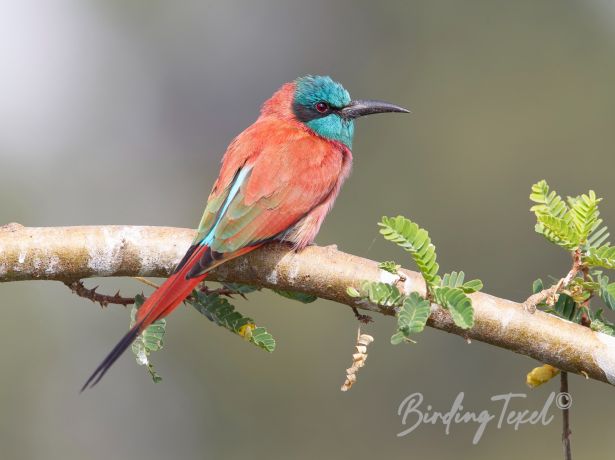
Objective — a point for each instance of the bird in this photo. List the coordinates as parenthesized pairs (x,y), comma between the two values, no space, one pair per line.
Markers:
(278,180)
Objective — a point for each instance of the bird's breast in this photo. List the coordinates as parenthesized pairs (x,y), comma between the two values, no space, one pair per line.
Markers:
(337,159)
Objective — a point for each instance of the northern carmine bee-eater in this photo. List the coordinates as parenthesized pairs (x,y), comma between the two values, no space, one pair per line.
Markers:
(279,179)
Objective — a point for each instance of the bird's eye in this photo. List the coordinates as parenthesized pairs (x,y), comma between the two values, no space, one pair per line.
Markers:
(321,107)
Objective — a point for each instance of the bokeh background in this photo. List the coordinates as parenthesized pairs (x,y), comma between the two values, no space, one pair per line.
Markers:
(117,112)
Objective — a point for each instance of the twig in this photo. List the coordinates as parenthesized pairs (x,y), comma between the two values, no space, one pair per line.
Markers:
(565,416)
(146,281)
(550,295)
(79,288)
(585,317)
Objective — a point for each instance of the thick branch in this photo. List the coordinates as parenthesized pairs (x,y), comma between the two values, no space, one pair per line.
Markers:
(71,253)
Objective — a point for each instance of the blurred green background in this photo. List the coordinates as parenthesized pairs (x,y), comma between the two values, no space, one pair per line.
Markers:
(118,113)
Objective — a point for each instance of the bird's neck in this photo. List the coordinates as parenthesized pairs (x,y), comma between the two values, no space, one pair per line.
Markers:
(280,104)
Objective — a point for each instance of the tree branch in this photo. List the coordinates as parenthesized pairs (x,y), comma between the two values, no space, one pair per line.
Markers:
(70,253)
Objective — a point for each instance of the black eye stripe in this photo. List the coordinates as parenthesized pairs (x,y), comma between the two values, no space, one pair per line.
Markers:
(308,113)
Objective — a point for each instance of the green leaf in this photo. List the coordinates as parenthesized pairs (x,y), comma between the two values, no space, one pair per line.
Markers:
(263,339)
(537,286)
(607,291)
(456,280)
(585,285)
(554,220)
(220,311)
(600,324)
(585,214)
(560,231)
(565,307)
(156,378)
(472,286)
(416,241)
(389,266)
(598,237)
(148,341)
(452,279)
(399,337)
(411,317)
(380,293)
(547,202)
(353,292)
(604,256)
(298,296)
(458,303)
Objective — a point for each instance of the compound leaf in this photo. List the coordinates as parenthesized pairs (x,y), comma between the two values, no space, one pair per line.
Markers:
(416,241)
(148,341)
(220,311)
(458,303)
(411,318)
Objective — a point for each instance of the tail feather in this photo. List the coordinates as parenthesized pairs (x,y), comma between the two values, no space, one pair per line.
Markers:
(162,302)
(117,351)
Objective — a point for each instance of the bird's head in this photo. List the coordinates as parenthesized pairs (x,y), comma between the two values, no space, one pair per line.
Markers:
(326,108)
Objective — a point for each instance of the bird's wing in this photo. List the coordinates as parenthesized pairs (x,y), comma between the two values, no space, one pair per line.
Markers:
(266,195)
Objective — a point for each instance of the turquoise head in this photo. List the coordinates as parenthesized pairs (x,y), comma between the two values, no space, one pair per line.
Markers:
(326,108)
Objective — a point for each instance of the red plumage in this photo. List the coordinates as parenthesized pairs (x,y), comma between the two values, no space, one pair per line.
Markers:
(292,177)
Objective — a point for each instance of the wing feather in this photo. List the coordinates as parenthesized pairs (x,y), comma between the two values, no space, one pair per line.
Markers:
(280,183)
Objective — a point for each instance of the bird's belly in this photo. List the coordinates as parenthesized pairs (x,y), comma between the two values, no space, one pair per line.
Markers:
(304,232)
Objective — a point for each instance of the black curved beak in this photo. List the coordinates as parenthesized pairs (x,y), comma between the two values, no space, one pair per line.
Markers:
(360,108)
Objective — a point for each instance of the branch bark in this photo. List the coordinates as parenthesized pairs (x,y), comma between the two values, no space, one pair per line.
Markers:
(70,253)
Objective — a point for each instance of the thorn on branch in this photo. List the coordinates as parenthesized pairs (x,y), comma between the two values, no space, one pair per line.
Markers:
(79,288)
(365,319)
